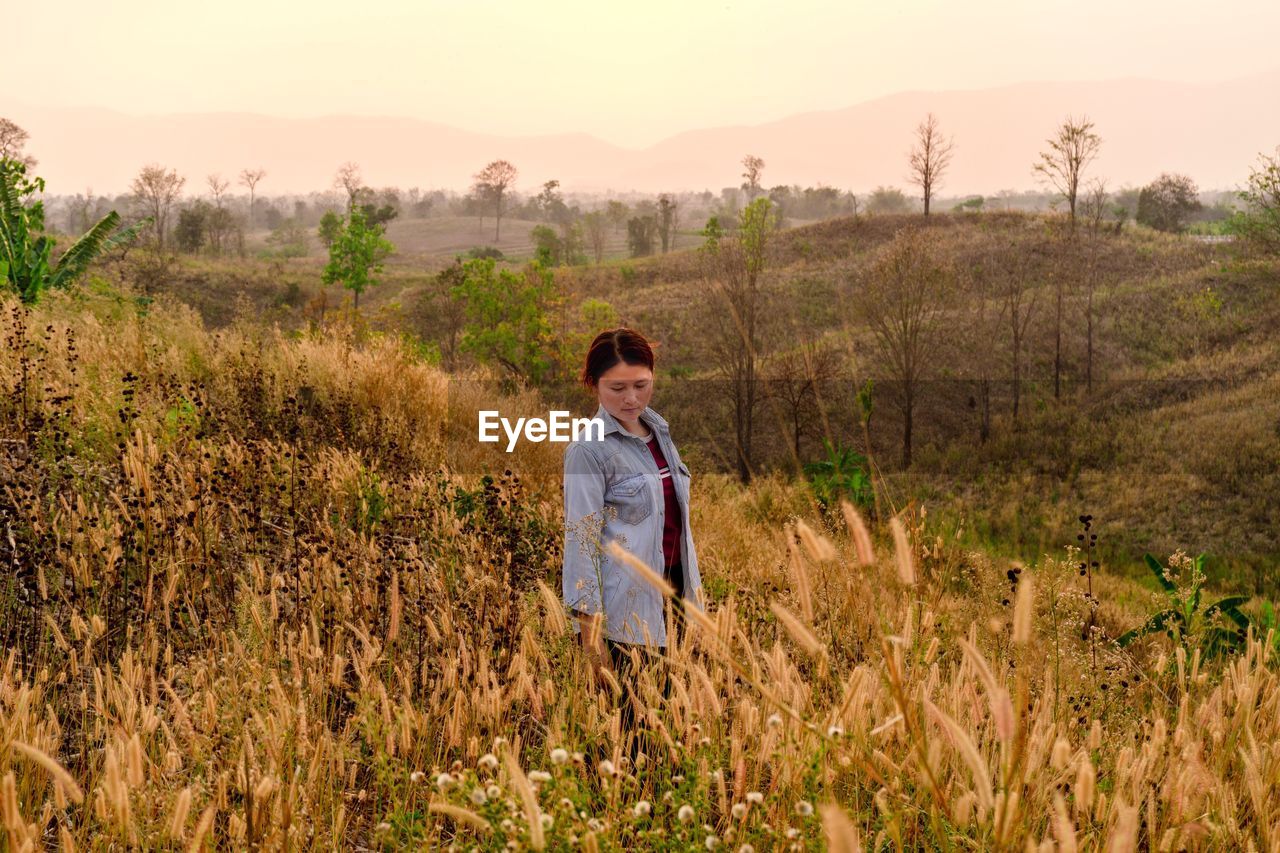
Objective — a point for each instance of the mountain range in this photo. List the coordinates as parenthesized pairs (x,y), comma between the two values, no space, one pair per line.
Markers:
(1210,131)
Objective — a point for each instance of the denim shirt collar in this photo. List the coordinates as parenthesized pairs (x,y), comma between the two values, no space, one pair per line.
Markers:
(648,416)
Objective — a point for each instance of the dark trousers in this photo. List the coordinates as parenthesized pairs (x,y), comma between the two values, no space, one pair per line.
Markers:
(628,670)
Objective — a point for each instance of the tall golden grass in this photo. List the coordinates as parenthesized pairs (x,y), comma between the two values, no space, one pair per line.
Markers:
(241,615)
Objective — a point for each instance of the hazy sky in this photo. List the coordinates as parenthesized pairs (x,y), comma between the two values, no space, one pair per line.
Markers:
(630,73)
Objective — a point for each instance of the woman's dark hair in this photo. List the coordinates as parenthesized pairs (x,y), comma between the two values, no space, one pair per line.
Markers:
(611,347)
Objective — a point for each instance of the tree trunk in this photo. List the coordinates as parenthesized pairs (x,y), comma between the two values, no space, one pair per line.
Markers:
(984,408)
(1017,374)
(1057,346)
(907,411)
(1088,363)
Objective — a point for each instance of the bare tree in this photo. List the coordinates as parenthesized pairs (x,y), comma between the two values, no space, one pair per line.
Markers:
(217,188)
(986,312)
(219,222)
(929,158)
(156,189)
(754,168)
(797,377)
(492,183)
(1094,209)
(13,139)
(904,296)
(348,179)
(1071,150)
(596,227)
(250,178)
(733,268)
(1018,294)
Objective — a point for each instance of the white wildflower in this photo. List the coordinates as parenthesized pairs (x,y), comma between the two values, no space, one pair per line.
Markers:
(417,777)
(774,720)
(755,797)
(479,797)
(606,768)
(685,814)
(489,761)
(712,842)
(539,776)
(493,791)
(559,756)
(444,780)
(641,808)
(738,810)
(804,808)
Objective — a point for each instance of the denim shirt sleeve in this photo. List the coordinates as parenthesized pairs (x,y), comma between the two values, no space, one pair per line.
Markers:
(584,520)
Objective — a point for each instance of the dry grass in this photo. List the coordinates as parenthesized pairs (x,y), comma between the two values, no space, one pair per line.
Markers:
(243,615)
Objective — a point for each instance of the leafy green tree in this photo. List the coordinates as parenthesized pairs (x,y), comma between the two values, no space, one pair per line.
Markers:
(189,233)
(617,212)
(551,203)
(379,208)
(491,186)
(26,264)
(1259,222)
(888,200)
(667,222)
(330,228)
(506,316)
(356,254)
(1167,202)
(547,247)
(553,250)
(641,232)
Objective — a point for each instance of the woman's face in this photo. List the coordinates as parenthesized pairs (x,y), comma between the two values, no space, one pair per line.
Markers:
(624,390)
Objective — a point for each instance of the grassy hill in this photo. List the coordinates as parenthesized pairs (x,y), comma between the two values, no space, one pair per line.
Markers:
(1173,446)
(261,596)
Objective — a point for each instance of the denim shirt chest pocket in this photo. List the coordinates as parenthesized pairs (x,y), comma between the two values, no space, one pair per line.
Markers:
(629,496)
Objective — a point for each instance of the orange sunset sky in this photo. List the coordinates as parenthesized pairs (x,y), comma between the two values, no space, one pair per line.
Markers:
(629,75)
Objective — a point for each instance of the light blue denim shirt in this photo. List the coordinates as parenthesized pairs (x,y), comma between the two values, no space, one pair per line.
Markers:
(612,491)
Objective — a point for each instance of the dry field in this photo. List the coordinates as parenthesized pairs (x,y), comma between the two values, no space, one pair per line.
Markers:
(247,606)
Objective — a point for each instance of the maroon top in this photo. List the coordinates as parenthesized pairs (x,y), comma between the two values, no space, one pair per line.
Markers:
(672,523)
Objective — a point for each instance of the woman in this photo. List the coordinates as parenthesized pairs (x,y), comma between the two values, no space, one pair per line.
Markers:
(629,486)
